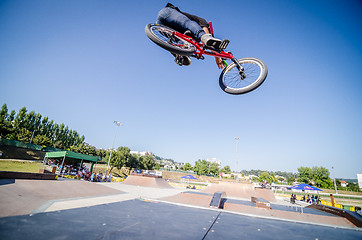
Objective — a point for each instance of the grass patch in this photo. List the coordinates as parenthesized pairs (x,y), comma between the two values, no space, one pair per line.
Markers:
(20,166)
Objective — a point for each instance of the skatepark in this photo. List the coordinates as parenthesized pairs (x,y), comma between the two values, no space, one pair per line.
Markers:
(148,207)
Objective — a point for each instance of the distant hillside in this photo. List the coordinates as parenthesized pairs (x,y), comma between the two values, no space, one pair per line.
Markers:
(11,152)
(349,180)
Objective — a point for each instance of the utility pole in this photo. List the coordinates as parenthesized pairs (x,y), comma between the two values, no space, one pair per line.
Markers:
(237,164)
(115,134)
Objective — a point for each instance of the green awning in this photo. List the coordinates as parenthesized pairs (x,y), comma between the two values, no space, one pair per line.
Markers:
(73,155)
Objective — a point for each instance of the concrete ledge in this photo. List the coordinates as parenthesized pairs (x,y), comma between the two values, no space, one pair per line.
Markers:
(260,202)
(352,217)
(25,175)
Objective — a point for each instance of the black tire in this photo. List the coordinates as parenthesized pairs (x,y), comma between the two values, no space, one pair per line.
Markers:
(255,71)
(163,37)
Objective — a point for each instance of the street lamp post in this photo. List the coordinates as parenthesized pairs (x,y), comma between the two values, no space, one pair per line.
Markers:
(115,134)
(32,135)
(237,164)
(334,179)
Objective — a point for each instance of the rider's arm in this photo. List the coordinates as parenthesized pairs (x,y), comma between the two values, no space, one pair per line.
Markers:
(219,62)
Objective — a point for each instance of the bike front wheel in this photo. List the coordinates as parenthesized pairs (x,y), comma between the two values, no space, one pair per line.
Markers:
(165,38)
(254,74)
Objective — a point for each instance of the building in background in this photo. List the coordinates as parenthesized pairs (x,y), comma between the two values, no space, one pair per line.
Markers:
(359,179)
(214,160)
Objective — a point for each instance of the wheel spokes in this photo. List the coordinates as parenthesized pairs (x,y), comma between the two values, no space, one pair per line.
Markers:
(232,78)
(168,37)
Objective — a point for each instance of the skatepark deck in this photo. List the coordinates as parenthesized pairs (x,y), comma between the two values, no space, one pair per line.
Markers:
(241,190)
(147,181)
(23,196)
(126,211)
(203,200)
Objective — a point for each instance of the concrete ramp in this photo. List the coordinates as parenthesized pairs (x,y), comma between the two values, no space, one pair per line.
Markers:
(266,194)
(240,190)
(146,181)
(18,197)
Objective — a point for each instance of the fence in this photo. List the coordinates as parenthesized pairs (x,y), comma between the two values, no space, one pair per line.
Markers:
(14,143)
(341,206)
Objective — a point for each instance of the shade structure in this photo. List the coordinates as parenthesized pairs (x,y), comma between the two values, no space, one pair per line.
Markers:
(72,155)
(189,177)
(304,186)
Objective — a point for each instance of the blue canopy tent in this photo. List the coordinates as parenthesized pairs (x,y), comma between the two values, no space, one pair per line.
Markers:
(306,187)
(189,177)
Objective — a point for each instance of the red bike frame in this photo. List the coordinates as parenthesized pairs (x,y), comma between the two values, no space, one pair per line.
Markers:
(200,48)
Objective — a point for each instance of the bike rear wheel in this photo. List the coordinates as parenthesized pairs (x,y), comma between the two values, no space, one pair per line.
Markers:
(164,37)
(255,72)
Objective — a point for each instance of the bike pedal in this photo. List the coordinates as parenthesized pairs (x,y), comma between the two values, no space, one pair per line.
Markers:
(189,34)
(179,60)
(224,44)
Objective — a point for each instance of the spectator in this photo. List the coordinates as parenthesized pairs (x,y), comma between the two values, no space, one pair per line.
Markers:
(99,177)
(292,198)
(92,177)
(110,177)
(332,200)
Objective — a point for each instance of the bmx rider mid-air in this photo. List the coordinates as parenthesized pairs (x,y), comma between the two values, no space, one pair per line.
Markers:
(195,26)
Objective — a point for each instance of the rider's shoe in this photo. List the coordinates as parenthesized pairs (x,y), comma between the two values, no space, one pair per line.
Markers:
(210,41)
(182,60)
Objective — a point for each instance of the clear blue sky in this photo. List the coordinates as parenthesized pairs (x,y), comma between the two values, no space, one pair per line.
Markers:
(86,63)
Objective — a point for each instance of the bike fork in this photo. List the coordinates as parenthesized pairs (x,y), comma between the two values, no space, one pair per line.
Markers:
(239,67)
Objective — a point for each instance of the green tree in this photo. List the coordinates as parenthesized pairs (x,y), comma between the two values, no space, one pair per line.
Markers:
(122,157)
(280,179)
(19,122)
(23,135)
(214,169)
(118,158)
(305,175)
(157,166)
(58,144)
(265,176)
(226,170)
(101,153)
(91,150)
(41,140)
(353,187)
(290,180)
(132,161)
(15,126)
(187,167)
(273,178)
(4,126)
(201,167)
(147,162)
(321,177)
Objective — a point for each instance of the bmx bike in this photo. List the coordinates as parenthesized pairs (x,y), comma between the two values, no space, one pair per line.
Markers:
(239,77)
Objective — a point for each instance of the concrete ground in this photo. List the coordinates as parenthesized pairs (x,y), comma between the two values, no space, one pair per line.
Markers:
(35,209)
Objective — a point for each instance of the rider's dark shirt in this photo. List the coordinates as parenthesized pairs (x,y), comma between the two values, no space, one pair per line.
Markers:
(202,22)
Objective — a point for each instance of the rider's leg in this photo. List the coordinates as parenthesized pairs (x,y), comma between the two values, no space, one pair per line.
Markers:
(181,23)
(176,20)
